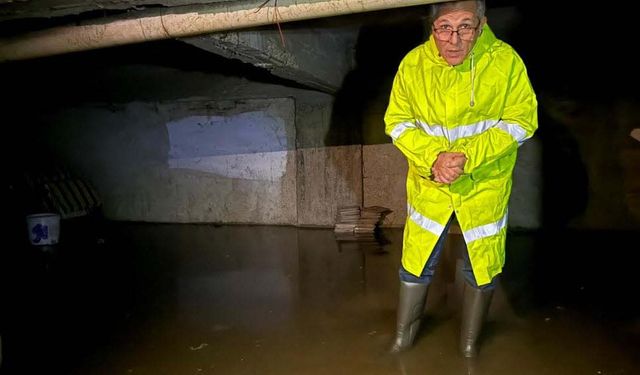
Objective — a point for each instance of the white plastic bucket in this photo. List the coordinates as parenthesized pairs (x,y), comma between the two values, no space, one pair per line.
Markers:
(44,229)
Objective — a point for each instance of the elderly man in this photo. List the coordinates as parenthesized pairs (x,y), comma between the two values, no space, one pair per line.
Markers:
(460,106)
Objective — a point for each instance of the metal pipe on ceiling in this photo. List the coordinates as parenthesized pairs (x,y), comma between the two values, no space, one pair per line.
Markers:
(66,39)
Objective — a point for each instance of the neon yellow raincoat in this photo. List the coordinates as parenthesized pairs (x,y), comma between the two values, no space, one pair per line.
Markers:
(484,108)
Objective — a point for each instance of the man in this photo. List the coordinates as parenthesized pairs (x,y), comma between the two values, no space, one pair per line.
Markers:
(460,106)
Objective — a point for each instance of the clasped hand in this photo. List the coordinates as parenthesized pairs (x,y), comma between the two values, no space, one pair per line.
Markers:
(448,167)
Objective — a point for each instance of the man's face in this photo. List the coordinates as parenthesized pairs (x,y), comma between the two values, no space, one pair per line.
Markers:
(455,48)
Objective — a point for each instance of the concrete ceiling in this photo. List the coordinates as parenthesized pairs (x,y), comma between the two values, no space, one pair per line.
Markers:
(317,57)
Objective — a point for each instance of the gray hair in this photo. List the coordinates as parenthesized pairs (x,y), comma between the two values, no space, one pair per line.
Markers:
(437,7)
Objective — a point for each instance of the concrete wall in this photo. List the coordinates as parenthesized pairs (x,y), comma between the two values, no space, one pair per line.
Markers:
(235,151)
(328,178)
(164,162)
(385,172)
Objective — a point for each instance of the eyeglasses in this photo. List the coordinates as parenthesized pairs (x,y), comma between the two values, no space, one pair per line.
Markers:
(465,32)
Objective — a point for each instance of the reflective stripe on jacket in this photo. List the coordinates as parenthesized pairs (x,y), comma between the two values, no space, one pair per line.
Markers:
(485,108)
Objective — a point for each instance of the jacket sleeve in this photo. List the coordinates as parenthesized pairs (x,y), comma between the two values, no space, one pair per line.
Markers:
(518,123)
(420,148)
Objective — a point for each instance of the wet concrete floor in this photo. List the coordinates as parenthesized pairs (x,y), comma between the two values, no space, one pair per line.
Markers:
(203,299)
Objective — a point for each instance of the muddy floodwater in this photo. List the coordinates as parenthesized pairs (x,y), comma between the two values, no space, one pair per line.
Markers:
(202,299)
